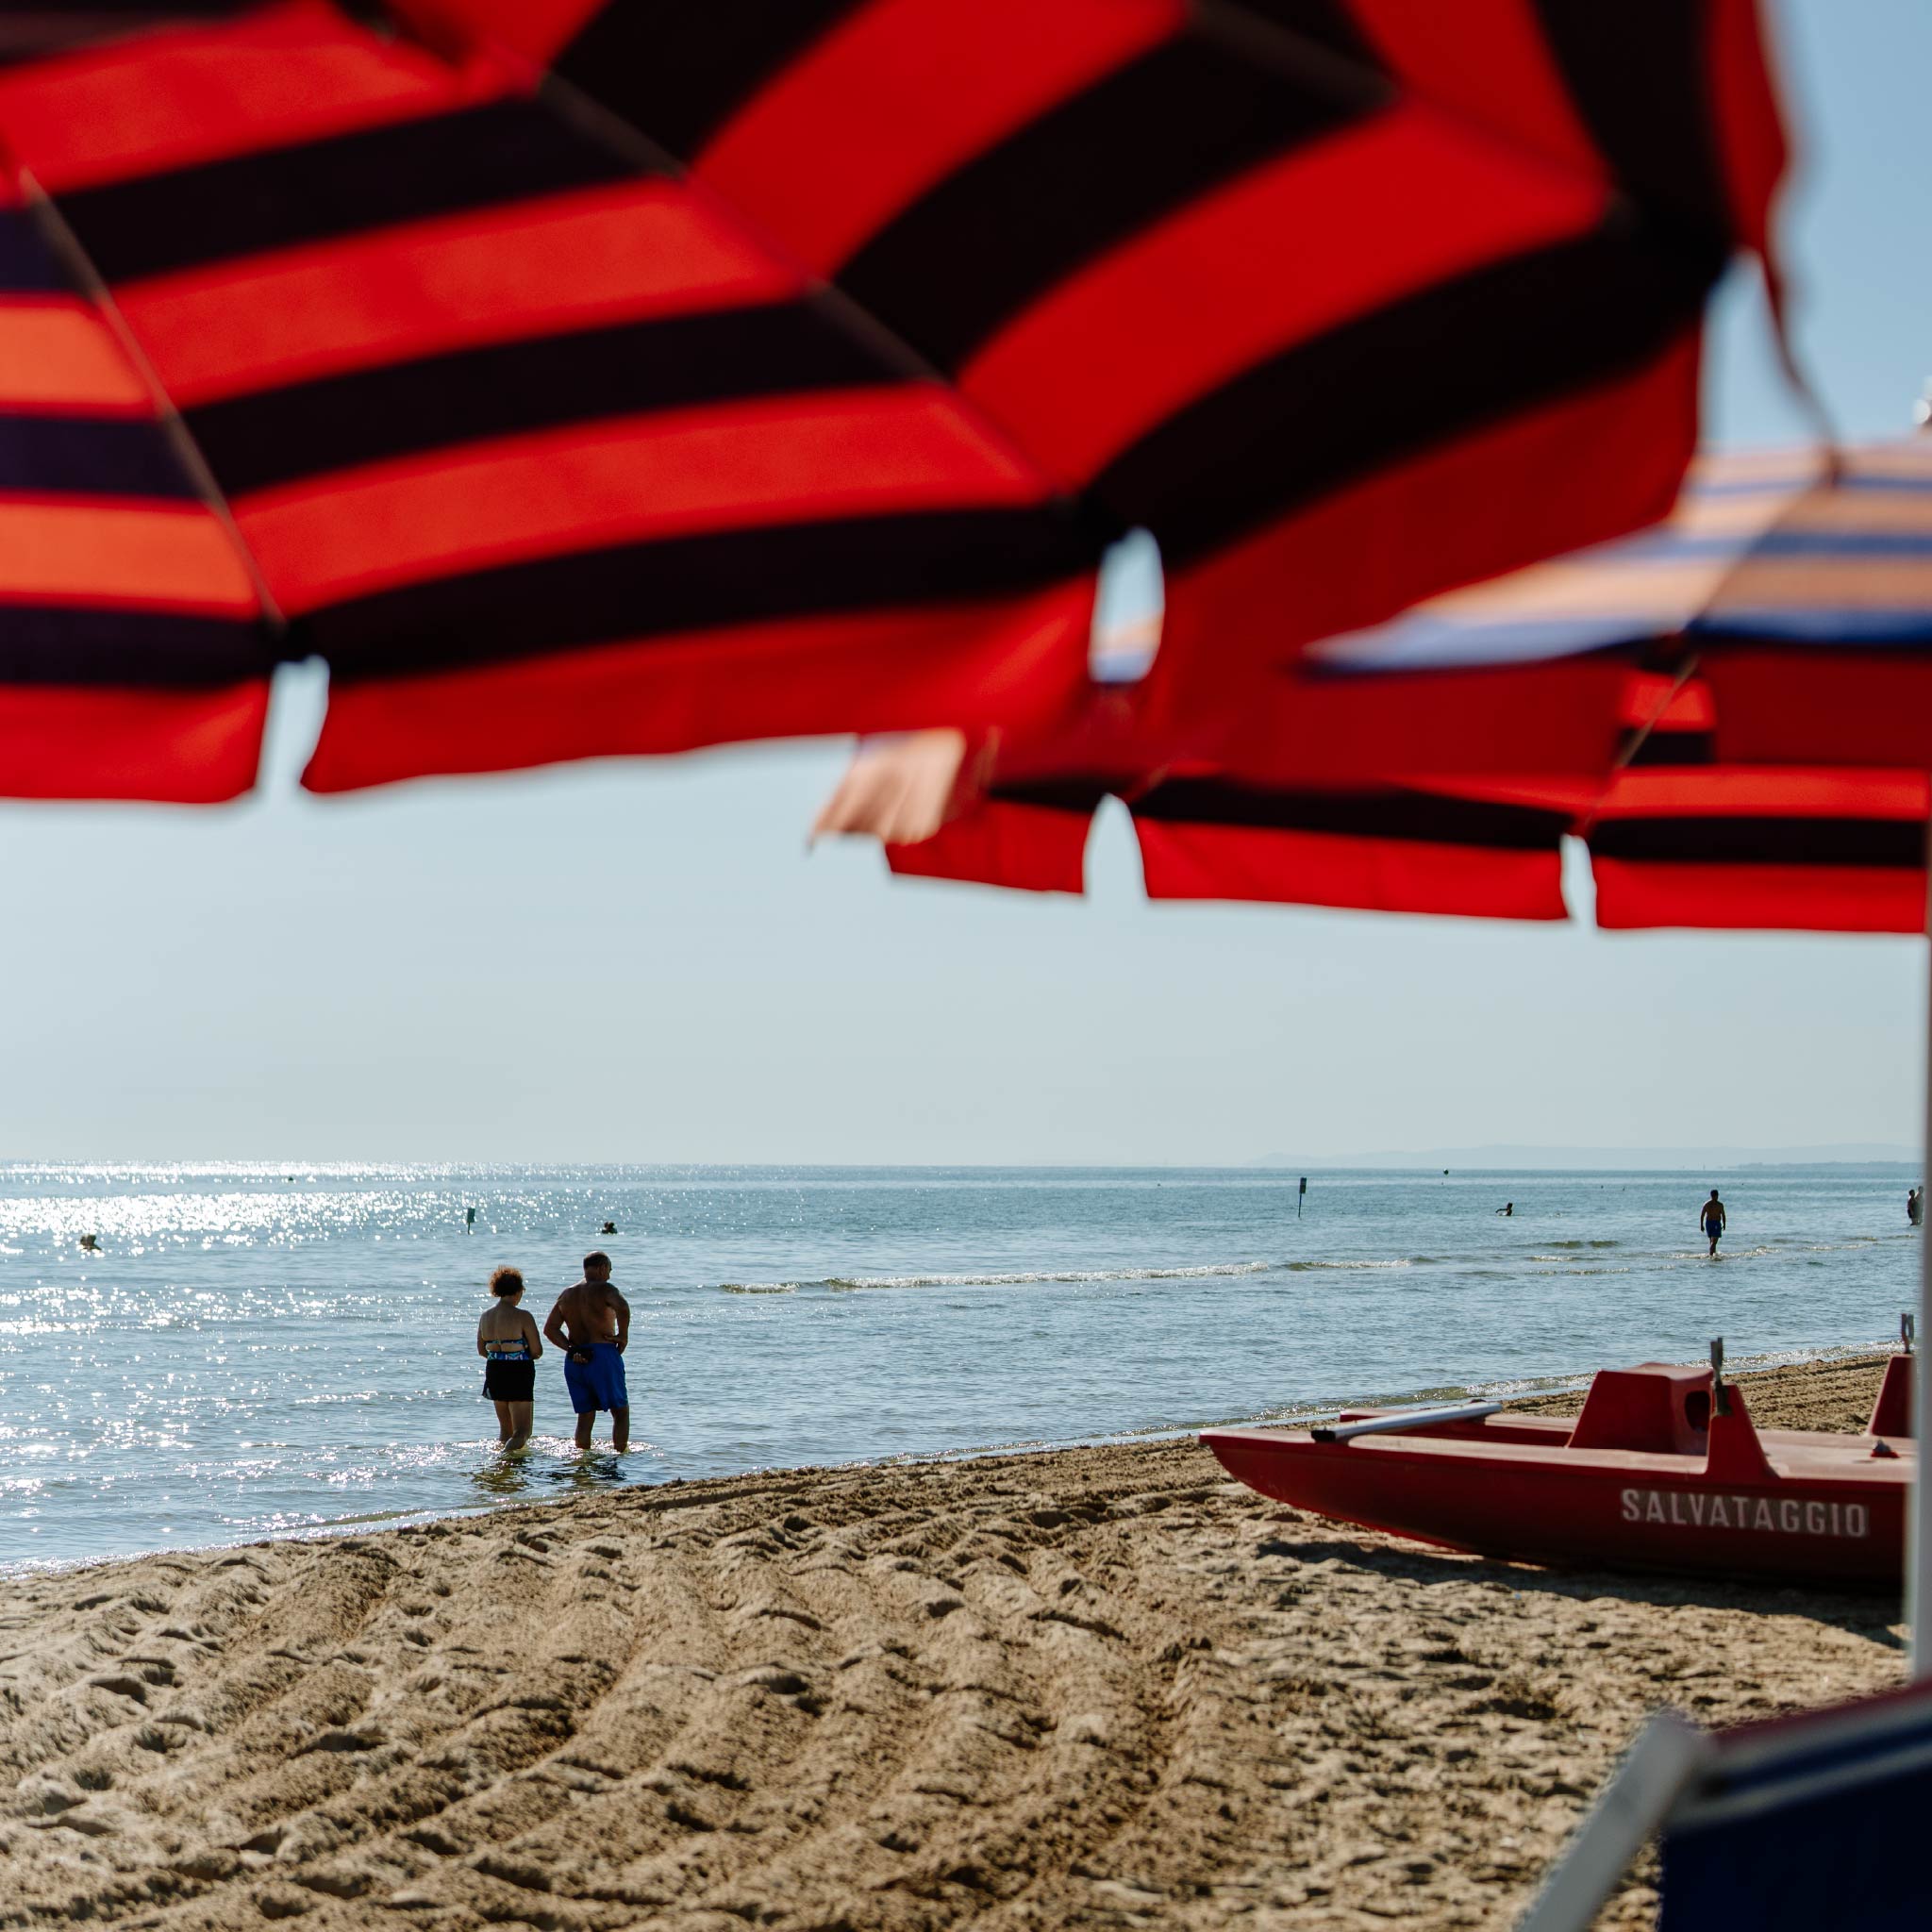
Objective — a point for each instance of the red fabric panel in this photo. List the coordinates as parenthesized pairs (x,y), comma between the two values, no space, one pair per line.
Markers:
(1027,848)
(56,352)
(166,100)
(972,666)
(1791,898)
(1388,207)
(1665,704)
(1776,792)
(1835,707)
(1370,874)
(1577,471)
(177,747)
(1487,61)
(1534,719)
(896,98)
(568,261)
(1750,131)
(731,467)
(535,31)
(87,550)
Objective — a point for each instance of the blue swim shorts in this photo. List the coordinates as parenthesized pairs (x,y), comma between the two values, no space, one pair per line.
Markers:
(597,1383)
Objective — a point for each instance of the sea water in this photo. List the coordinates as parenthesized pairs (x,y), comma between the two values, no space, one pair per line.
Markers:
(258,1351)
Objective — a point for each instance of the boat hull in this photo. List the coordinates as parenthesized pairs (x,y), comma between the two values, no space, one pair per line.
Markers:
(1828,1515)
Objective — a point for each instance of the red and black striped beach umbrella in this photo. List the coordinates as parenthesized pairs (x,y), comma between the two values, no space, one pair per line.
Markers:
(1692,844)
(584,379)
(134,660)
(1730,710)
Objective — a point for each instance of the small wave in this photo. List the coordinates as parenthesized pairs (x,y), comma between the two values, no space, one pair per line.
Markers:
(847,1283)
(1582,1244)
(1351,1267)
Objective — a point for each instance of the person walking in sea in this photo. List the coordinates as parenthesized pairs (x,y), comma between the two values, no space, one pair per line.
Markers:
(1915,1206)
(591,1323)
(1712,1219)
(507,1340)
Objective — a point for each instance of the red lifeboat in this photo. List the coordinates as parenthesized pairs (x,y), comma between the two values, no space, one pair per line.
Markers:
(1663,1469)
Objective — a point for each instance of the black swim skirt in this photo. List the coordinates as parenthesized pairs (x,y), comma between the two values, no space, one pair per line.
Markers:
(509,1381)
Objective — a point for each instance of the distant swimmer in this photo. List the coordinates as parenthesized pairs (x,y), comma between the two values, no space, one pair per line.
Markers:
(1507,1208)
(1712,1219)
(608,1228)
(90,1244)
(507,1340)
(1915,1207)
(469,1219)
(590,1323)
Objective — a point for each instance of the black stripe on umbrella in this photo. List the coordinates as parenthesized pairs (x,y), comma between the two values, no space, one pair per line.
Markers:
(101,455)
(1394,851)
(98,647)
(1010,223)
(1417,817)
(1637,76)
(27,265)
(679,71)
(684,584)
(28,32)
(337,185)
(1532,327)
(273,436)
(1213,836)
(1767,841)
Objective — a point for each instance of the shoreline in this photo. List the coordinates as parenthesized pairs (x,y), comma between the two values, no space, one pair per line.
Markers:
(1532,1394)
(1101,1686)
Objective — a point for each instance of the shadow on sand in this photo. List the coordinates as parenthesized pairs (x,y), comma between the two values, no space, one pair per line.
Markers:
(1869,1614)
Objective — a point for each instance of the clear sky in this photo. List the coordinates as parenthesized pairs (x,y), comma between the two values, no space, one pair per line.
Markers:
(639,962)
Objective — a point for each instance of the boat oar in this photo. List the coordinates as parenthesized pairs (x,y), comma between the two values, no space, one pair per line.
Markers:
(1408,1419)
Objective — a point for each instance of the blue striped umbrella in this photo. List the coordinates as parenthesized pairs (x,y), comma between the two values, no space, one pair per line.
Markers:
(1797,587)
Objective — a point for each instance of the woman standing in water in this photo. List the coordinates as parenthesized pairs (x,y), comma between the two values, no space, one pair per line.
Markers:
(508,1340)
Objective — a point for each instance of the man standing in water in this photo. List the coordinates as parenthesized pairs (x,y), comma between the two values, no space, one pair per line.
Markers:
(1712,1219)
(591,1323)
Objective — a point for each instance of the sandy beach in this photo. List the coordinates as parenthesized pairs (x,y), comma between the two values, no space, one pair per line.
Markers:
(1096,1687)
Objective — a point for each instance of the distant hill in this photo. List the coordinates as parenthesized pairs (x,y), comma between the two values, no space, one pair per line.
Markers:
(1846,1153)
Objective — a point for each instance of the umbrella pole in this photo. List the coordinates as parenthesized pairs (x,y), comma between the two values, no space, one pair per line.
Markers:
(1919,1537)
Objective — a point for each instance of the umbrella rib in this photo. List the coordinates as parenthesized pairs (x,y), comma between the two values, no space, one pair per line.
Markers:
(1635,741)
(53,229)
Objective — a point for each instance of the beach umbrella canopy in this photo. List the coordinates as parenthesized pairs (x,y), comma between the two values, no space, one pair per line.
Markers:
(1689,843)
(1685,701)
(1795,584)
(584,379)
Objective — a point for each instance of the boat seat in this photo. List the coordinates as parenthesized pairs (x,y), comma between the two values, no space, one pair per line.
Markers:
(1891,1414)
(1655,1408)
